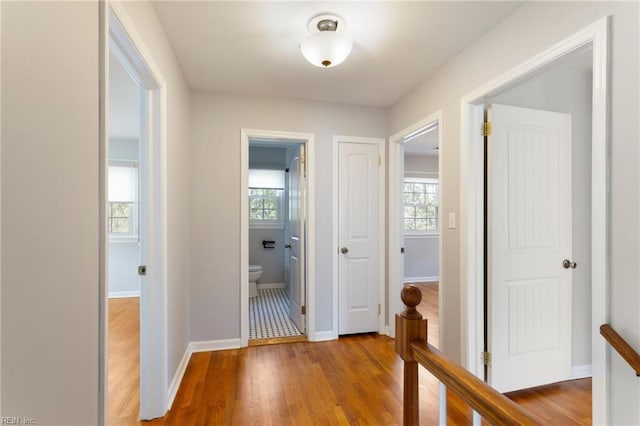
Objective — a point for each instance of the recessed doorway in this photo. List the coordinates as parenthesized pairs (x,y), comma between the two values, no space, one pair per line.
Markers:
(415,219)
(276,279)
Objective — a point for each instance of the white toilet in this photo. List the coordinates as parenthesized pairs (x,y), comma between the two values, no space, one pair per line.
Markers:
(255,272)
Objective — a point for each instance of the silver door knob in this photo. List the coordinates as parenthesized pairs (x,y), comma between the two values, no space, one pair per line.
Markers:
(344,250)
(566,264)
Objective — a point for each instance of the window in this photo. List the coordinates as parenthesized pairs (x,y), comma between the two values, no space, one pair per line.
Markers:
(420,205)
(122,208)
(266,193)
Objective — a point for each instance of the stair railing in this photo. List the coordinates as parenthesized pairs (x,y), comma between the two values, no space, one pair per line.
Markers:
(413,348)
(621,346)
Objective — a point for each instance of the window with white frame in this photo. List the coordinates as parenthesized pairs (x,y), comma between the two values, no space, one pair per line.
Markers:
(420,200)
(266,193)
(122,206)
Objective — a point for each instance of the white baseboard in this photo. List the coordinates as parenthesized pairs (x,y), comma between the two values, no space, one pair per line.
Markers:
(270,285)
(214,345)
(122,294)
(177,378)
(581,371)
(323,336)
(408,280)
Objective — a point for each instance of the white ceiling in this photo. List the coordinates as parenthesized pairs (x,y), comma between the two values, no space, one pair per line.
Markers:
(124,101)
(426,144)
(253,47)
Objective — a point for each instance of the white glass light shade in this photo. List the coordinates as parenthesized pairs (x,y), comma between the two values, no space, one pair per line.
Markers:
(326,49)
(267,179)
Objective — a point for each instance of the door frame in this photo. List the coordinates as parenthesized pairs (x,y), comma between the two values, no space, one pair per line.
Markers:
(281,137)
(337,139)
(396,232)
(118,33)
(472,204)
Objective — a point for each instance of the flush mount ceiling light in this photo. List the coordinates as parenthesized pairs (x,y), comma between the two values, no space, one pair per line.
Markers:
(328,45)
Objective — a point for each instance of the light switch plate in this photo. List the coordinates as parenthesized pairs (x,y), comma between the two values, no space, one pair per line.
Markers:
(452,220)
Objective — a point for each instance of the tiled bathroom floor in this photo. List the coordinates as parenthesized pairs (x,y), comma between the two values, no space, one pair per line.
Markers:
(269,315)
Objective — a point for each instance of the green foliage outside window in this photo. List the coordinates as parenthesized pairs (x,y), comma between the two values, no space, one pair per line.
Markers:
(120,220)
(264,205)
(420,206)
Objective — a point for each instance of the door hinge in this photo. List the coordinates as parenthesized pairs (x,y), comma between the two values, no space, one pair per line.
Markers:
(379,309)
(379,160)
(486,358)
(486,129)
(303,309)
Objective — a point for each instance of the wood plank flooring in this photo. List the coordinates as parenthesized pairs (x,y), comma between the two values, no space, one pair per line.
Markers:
(124,361)
(429,307)
(353,380)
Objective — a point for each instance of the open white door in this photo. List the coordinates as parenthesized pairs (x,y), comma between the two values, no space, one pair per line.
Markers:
(529,207)
(359,237)
(296,240)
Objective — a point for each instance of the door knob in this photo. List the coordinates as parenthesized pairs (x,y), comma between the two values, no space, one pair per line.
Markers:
(344,250)
(566,264)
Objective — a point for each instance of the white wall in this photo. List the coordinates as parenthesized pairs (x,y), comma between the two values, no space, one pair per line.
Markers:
(148,26)
(421,255)
(123,149)
(50,212)
(529,30)
(567,89)
(216,120)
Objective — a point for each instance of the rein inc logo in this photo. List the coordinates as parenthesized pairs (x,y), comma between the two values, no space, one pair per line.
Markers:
(17,420)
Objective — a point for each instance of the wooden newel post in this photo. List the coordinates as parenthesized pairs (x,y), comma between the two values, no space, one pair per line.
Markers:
(410,327)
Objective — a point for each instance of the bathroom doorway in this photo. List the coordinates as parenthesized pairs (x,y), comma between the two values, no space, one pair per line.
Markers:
(276,240)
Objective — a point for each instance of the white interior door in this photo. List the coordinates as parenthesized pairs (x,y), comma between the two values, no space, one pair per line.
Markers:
(529,237)
(359,237)
(296,240)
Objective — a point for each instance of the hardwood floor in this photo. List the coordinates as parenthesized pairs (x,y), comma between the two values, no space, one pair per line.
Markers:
(124,361)
(353,380)
(430,308)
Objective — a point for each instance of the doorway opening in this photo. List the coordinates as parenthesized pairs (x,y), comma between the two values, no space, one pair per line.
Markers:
(133,360)
(415,219)
(123,221)
(277,198)
(276,240)
(588,292)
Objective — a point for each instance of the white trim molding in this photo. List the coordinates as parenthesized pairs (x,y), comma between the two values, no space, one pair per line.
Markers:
(123,294)
(214,345)
(471,202)
(395,224)
(410,280)
(337,139)
(581,371)
(323,336)
(177,377)
(281,137)
(270,285)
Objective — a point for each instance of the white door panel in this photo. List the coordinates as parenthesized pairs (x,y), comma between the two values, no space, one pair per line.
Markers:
(296,241)
(530,235)
(358,230)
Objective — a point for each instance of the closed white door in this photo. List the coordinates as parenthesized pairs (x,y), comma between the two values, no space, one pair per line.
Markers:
(529,236)
(359,237)
(296,240)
